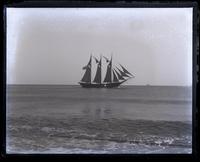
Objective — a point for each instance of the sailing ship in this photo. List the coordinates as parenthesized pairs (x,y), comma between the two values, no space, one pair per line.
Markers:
(114,77)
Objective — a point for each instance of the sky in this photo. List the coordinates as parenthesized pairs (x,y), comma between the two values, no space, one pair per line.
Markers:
(51,45)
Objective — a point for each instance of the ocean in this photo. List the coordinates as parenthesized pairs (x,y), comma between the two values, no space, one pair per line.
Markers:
(66,119)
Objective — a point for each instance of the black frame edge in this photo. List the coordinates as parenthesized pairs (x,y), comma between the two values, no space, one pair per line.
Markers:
(195,113)
(101,4)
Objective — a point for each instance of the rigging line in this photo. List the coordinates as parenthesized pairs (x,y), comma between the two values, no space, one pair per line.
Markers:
(107,60)
(126,71)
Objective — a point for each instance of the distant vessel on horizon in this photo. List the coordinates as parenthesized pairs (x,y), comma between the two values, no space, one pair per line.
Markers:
(114,76)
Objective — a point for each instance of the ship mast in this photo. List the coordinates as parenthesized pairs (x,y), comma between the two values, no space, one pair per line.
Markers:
(87,76)
(97,78)
(108,77)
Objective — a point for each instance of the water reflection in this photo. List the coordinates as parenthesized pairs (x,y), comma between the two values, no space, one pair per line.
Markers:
(100,111)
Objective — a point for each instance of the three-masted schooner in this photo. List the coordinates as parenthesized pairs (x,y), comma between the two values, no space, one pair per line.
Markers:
(114,76)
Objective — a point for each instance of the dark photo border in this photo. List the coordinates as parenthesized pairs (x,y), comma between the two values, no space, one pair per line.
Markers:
(115,4)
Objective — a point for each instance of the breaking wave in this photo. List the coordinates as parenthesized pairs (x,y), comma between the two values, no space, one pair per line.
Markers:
(98,136)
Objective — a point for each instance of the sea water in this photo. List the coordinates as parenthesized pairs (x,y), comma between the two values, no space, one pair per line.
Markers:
(70,119)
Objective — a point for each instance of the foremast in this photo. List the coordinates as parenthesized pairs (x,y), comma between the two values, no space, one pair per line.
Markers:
(87,76)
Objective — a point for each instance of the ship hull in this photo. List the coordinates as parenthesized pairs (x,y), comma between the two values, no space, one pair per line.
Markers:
(112,85)
(91,85)
(106,85)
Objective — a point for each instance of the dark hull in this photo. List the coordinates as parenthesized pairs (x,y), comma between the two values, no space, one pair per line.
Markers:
(105,85)
(90,85)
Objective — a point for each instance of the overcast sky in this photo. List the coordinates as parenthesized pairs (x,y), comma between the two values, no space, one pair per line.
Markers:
(51,45)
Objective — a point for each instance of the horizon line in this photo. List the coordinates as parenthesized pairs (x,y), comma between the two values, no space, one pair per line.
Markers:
(148,85)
